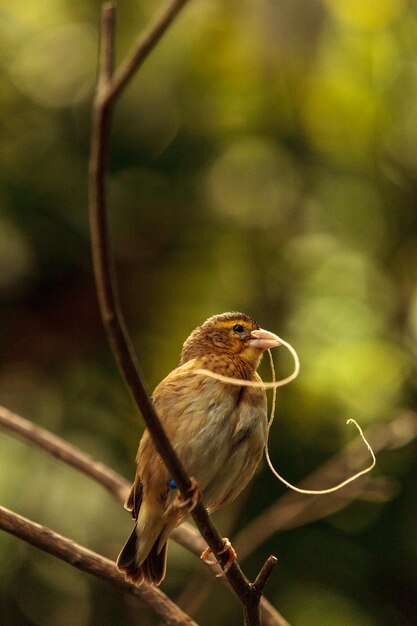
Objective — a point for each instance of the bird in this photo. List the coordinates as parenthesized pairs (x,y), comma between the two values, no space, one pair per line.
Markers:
(217,429)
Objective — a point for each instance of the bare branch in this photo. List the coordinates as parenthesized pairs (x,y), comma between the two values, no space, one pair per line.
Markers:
(144,47)
(113,482)
(103,262)
(105,273)
(64,451)
(92,563)
(108,23)
(291,510)
(186,535)
(265,573)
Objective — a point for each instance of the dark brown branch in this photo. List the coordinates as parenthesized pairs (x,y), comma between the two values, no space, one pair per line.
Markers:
(265,573)
(106,93)
(293,510)
(186,535)
(105,273)
(92,563)
(200,584)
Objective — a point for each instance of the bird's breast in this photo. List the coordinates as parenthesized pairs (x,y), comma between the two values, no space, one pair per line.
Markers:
(226,436)
(217,429)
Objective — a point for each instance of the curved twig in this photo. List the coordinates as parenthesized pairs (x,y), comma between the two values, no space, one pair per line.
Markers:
(66,452)
(186,535)
(108,89)
(92,563)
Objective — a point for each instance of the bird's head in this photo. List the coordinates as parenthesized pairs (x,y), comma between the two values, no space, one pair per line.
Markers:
(233,335)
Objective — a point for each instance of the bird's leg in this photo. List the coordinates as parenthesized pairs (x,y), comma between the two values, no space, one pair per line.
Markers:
(194,497)
(227,548)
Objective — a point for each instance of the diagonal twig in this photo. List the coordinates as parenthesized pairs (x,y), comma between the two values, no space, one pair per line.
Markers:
(289,511)
(66,452)
(144,47)
(83,462)
(92,563)
(186,535)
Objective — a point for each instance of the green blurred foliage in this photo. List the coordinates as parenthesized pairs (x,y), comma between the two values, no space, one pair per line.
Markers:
(264,160)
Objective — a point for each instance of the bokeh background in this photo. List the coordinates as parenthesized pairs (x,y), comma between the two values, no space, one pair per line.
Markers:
(265,160)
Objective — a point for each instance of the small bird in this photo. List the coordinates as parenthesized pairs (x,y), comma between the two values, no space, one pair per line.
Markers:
(217,429)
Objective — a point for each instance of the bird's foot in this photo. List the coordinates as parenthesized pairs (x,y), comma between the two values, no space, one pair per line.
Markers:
(192,499)
(227,548)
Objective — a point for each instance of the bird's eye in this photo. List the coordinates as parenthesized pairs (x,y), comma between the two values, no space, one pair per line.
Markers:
(238,328)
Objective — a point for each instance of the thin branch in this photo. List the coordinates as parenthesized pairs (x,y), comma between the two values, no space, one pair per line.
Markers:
(106,62)
(144,47)
(64,451)
(186,535)
(92,563)
(200,584)
(103,262)
(291,510)
(265,573)
(105,272)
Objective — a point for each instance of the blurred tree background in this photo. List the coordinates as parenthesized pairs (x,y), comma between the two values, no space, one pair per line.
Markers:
(264,160)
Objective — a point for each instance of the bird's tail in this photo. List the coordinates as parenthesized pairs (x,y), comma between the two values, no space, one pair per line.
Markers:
(151,569)
(144,555)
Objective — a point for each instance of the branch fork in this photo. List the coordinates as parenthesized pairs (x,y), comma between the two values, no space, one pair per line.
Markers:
(109,86)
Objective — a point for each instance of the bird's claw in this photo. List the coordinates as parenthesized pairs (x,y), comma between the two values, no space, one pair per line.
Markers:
(227,547)
(194,497)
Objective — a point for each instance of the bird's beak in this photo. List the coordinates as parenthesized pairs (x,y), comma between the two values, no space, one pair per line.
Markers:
(263,339)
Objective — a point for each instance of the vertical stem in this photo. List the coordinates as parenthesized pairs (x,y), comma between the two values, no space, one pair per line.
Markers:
(109,88)
(108,29)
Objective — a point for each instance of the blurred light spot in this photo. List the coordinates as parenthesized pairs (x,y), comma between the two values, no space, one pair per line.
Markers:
(366,14)
(253,181)
(323,266)
(341,118)
(328,318)
(339,321)
(365,377)
(351,208)
(344,272)
(16,258)
(56,68)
